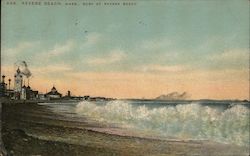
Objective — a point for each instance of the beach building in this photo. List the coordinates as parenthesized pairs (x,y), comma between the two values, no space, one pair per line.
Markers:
(53,94)
(31,94)
(23,93)
(28,94)
(41,96)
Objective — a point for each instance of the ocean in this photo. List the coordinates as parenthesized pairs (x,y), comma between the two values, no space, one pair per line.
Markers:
(219,121)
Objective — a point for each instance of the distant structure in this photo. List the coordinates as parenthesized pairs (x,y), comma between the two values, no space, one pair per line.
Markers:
(10,92)
(41,96)
(28,94)
(18,84)
(23,94)
(174,96)
(69,94)
(21,91)
(53,94)
(3,87)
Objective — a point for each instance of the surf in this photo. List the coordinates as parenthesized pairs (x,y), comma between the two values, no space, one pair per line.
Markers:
(184,121)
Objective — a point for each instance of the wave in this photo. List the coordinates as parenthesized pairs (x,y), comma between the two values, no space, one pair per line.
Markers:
(184,121)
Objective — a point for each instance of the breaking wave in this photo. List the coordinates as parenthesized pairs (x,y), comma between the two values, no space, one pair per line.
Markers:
(184,121)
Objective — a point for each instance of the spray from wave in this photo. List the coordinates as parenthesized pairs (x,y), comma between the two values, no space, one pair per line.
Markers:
(184,121)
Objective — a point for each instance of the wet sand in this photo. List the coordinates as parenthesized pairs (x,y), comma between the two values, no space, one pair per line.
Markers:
(32,129)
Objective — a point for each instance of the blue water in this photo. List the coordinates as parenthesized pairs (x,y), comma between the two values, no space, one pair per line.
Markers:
(220,121)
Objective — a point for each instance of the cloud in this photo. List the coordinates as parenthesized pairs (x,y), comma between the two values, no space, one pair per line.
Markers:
(231,55)
(230,59)
(56,51)
(155,44)
(92,38)
(61,48)
(113,57)
(161,68)
(21,47)
(11,54)
(53,69)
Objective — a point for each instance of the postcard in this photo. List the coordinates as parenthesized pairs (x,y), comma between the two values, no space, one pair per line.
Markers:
(124,78)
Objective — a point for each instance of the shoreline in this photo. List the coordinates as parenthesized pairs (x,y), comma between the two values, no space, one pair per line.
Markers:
(32,129)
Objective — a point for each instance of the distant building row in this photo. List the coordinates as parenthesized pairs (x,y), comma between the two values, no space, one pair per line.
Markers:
(23,92)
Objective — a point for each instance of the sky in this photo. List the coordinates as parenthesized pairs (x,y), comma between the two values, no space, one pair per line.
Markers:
(139,51)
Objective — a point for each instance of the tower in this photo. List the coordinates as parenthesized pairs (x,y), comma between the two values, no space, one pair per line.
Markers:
(18,80)
(9,83)
(3,77)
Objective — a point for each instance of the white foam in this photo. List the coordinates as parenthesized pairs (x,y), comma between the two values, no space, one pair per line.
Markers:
(185,121)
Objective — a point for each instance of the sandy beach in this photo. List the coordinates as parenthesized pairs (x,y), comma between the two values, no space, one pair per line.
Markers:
(32,129)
